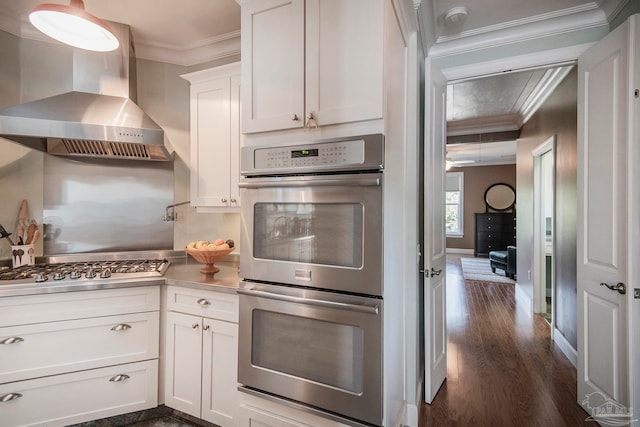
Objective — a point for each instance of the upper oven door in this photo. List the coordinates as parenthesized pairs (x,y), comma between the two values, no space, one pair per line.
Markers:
(320,231)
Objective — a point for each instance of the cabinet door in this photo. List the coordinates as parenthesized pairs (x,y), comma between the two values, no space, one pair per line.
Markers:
(272,65)
(253,417)
(56,347)
(183,363)
(219,372)
(63,400)
(210,148)
(234,149)
(344,72)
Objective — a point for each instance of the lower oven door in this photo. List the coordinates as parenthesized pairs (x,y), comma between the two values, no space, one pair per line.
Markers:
(317,348)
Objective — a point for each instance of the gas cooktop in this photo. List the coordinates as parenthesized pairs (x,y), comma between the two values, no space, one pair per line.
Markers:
(85,270)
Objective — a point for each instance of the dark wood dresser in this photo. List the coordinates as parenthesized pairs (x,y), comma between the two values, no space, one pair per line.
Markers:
(494,232)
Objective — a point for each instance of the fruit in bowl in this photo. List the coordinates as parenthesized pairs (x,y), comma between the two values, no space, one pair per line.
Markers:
(208,253)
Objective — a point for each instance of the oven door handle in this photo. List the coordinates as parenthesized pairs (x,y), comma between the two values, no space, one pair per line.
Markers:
(365,308)
(341,182)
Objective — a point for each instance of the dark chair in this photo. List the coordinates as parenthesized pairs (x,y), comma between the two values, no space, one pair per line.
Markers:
(504,260)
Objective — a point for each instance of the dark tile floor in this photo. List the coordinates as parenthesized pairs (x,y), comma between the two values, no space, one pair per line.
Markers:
(156,417)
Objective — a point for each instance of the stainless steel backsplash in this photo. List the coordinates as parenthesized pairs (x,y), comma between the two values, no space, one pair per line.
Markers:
(106,206)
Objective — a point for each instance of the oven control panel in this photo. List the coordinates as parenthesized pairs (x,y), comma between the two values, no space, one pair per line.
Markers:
(331,153)
(358,153)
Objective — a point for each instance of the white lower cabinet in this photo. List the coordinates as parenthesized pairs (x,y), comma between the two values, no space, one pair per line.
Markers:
(201,356)
(257,412)
(71,357)
(80,396)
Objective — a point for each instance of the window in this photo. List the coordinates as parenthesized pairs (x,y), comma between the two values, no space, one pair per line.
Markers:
(454,197)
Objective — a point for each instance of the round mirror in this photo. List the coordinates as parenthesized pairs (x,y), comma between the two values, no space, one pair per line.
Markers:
(500,197)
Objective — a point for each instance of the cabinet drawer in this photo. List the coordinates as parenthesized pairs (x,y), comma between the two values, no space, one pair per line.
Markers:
(73,345)
(23,310)
(214,305)
(80,396)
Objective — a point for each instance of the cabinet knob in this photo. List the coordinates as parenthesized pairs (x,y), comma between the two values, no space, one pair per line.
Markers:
(295,117)
(11,340)
(9,397)
(121,327)
(234,201)
(203,302)
(206,327)
(119,378)
(195,326)
(223,200)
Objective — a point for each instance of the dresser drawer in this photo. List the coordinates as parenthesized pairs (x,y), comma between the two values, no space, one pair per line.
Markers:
(211,304)
(31,351)
(23,310)
(67,399)
(487,221)
(484,247)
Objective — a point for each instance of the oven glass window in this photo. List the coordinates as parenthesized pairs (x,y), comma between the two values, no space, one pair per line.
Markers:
(315,233)
(325,352)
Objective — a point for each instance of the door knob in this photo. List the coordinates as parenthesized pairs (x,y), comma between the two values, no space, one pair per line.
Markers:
(431,273)
(620,287)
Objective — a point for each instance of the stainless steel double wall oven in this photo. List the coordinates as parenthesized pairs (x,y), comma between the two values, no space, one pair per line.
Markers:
(311,304)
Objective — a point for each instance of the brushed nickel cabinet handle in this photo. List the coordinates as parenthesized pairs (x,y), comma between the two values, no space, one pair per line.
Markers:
(9,397)
(203,302)
(119,378)
(121,327)
(223,200)
(206,327)
(620,287)
(234,201)
(195,326)
(435,272)
(11,340)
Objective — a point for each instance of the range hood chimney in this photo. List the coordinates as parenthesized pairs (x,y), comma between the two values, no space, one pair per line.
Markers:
(98,119)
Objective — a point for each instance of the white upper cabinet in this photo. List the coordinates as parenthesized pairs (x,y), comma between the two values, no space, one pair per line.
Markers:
(215,136)
(311,63)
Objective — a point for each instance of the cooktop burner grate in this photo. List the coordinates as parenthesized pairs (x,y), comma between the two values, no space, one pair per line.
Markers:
(87,269)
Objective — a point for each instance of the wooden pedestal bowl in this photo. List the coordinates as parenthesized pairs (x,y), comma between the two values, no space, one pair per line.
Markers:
(208,258)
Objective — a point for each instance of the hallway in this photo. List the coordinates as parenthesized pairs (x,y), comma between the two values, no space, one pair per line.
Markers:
(503,370)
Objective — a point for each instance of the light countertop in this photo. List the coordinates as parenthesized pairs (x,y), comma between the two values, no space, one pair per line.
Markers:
(188,275)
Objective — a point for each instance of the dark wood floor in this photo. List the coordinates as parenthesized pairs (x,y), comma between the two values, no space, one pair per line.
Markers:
(503,370)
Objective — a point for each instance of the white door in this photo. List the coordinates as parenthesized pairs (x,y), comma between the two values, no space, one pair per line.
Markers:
(602,227)
(344,72)
(435,315)
(183,353)
(272,48)
(210,120)
(220,372)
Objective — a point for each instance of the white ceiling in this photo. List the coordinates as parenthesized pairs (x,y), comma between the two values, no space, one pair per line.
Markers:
(189,32)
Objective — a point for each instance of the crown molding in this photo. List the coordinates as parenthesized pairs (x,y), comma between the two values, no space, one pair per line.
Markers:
(211,49)
(544,25)
(488,124)
(549,82)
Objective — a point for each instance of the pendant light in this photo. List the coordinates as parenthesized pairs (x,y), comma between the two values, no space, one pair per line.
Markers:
(74,26)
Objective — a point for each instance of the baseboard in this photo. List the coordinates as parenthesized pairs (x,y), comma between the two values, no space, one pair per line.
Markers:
(412,411)
(524,301)
(460,251)
(566,348)
(411,415)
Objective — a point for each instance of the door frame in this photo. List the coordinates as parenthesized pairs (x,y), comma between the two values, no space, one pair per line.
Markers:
(548,147)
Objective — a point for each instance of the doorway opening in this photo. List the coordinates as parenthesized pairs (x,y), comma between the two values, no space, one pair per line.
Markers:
(543,228)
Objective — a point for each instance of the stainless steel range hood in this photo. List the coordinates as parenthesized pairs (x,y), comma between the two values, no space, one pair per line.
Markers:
(98,119)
